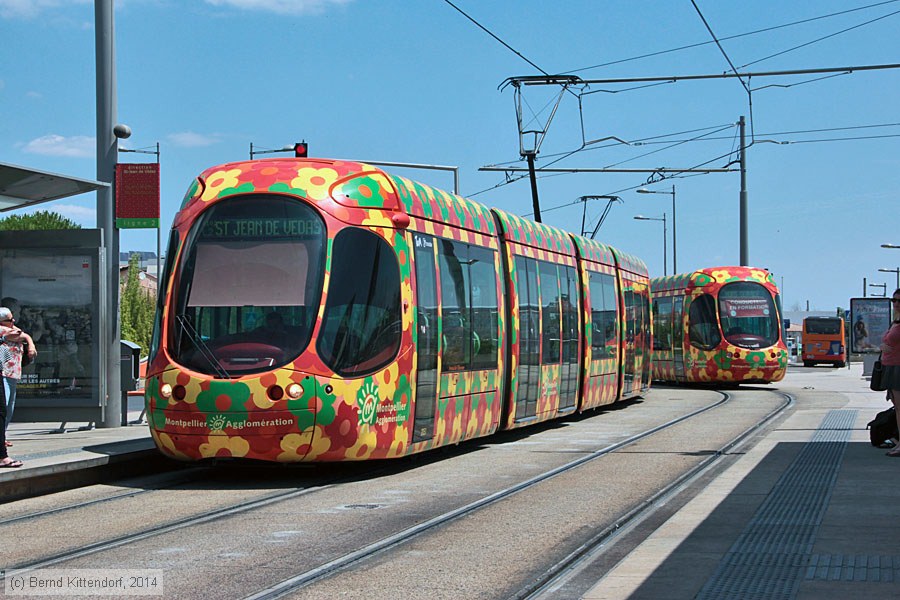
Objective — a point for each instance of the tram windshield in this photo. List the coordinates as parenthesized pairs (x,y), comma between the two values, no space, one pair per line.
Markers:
(249,287)
(748,315)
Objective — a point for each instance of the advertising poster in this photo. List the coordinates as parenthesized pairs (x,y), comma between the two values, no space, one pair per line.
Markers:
(870,318)
(50,297)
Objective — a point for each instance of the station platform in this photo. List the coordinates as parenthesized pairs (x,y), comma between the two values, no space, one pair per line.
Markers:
(807,512)
(59,456)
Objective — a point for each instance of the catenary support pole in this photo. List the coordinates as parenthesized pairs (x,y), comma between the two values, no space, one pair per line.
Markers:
(745,254)
(109,384)
(534,191)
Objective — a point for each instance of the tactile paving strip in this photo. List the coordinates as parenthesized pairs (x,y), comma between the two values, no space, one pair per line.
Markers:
(774,552)
(853,567)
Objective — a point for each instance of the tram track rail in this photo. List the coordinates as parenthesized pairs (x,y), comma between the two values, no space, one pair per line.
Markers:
(183,477)
(328,568)
(167,528)
(163,528)
(292,584)
(563,570)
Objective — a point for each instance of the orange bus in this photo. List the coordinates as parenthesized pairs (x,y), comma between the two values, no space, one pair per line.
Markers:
(823,341)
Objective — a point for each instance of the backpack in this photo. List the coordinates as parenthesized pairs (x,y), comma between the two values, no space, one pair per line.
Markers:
(883,427)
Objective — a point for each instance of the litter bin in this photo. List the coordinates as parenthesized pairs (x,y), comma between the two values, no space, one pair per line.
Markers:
(131,372)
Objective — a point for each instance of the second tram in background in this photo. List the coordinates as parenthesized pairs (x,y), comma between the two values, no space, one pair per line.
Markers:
(718,325)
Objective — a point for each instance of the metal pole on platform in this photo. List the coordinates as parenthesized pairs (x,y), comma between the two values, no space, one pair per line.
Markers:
(107,155)
(745,253)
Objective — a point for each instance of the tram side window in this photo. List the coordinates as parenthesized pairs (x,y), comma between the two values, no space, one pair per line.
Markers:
(529,335)
(570,314)
(703,327)
(485,312)
(361,326)
(162,294)
(662,323)
(551,326)
(469,309)
(642,315)
(529,312)
(604,335)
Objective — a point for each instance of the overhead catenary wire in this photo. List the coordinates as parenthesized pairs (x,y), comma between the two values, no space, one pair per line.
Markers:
(731,64)
(744,79)
(817,40)
(490,33)
(731,37)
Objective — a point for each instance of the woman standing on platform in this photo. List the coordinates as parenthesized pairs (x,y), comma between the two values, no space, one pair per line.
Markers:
(5,461)
(15,343)
(890,360)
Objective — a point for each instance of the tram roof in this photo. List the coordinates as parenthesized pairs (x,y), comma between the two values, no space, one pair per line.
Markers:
(709,276)
(24,186)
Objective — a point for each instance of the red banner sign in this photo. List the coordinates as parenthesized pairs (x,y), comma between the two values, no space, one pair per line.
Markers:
(137,195)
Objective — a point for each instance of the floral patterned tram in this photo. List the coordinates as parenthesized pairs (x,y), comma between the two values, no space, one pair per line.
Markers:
(718,325)
(324,310)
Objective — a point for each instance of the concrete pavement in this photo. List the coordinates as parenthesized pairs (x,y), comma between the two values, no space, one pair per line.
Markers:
(810,511)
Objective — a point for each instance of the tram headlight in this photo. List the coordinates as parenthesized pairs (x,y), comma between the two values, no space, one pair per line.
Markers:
(165,391)
(294,391)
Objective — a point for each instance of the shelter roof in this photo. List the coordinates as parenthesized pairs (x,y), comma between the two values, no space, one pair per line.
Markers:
(23,186)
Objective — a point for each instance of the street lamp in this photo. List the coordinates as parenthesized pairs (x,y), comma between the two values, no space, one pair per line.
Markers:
(674,235)
(663,219)
(883,287)
(897,271)
(889,246)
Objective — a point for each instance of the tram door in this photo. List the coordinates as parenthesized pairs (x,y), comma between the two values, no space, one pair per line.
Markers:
(428,334)
(678,337)
(529,367)
(632,317)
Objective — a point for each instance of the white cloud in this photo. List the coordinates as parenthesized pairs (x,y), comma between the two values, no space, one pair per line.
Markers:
(282,7)
(78,146)
(28,9)
(189,139)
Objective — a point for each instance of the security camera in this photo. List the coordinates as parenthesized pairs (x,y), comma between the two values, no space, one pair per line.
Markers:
(123,132)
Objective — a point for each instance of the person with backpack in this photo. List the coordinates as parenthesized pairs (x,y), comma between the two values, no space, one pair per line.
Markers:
(890,360)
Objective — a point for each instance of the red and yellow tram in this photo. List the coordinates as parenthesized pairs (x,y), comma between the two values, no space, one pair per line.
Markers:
(325,310)
(718,325)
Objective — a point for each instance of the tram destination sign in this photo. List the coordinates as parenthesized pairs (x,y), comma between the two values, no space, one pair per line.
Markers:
(262,228)
(137,195)
(745,307)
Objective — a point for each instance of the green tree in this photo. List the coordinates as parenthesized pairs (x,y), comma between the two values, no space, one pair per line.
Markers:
(137,308)
(42,219)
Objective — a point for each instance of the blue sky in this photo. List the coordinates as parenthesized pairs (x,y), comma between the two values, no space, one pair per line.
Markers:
(416,81)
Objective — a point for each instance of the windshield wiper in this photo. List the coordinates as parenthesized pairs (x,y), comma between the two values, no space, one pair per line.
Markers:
(201,346)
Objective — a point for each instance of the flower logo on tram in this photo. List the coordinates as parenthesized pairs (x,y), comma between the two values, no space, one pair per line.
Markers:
(216,423)
(316,182)
(367,400)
